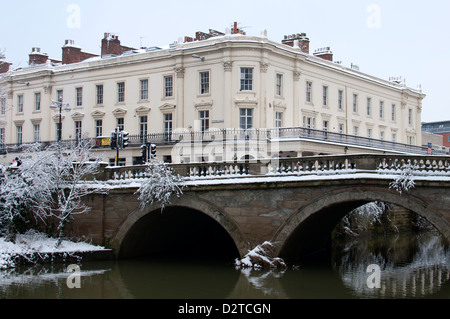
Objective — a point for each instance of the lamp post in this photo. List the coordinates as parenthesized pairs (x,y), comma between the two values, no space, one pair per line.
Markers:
(59,105)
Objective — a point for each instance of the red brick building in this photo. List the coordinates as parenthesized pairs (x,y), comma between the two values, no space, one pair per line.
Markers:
(440,128)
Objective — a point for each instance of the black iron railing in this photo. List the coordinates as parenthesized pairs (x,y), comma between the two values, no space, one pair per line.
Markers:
(233,134)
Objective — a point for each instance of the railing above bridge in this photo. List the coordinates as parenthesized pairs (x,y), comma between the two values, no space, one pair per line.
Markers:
(233,134)
(301,166)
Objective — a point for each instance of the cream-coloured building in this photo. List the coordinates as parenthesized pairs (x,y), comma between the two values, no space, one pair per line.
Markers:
(197,98)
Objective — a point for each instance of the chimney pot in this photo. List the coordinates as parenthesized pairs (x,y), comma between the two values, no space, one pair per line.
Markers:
(111,46)
(324,53)
(299,39)
(36,57)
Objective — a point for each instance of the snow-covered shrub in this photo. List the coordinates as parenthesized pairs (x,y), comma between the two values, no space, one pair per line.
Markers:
(404,181)
(159,185)
(50,183)
(25,189)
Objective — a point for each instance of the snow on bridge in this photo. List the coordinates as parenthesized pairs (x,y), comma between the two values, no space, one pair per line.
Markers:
(405,167)
(286,201)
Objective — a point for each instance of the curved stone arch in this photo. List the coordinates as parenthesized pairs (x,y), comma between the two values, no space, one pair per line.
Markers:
(195,203)
(349,199)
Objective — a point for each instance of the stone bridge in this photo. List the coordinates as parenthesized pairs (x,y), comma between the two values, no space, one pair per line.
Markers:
(228,208)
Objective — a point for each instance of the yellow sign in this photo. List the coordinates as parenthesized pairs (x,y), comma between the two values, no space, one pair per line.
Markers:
(103,141)
(106,141)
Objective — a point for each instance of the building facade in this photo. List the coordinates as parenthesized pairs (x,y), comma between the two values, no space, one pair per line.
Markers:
(217,82)
(441,128)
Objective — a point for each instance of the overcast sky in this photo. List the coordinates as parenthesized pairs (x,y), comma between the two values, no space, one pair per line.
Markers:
(407,38)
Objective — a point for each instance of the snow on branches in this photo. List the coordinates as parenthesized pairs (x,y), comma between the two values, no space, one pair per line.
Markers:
(260,257)
(49,183)
(161,183)
(404,181)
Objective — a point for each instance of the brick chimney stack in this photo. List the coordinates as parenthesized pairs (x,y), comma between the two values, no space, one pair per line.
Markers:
(4,66)
(70,53)
(299,39)
(36,57)
(303,43)
(324,53)
(73,54)
(111,45)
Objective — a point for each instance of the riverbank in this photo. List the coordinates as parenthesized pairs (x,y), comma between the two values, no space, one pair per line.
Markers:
(35,247)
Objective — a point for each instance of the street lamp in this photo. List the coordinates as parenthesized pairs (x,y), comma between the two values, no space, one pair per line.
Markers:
(59,105)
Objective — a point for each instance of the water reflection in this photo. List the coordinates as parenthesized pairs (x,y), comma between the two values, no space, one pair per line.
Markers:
(177,279)
(411,267)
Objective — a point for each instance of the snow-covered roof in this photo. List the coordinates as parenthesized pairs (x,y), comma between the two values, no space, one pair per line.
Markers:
(213,41)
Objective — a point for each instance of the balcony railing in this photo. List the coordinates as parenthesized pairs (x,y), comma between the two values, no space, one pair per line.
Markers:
(271,134)
(275,134)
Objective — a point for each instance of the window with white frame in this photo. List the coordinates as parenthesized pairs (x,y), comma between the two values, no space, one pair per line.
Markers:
(20,104)
(99,97)
(120,123)
(369,106)
(309,122)
(381,110)
(98,128)
(78,130)
(168,86)
(279,85)
(341,128)
(19,131)
(36,131)
(340,99)
(369,133)
(143,95)
(355,130)
(168,125)
(2,136)
(79,96)
(278,119)
(246,79)
(143,127)
(121,92)
(245,118)
(355,103)
(308,91)
(37,101)
(410,116)
(2,106)
(204,120)
(60,95)
(204,82)
(325,95)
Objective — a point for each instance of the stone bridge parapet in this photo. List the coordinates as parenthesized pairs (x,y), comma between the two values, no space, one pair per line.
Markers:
(293,202)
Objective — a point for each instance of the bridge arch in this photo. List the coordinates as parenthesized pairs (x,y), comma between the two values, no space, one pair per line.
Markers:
(185,215)
(308,230)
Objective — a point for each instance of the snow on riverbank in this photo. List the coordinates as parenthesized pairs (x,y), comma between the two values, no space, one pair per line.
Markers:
(34,242)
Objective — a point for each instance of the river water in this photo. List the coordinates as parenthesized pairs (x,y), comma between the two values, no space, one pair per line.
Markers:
(406,266)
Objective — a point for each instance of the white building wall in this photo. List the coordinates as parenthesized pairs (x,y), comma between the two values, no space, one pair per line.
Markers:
(223,59)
